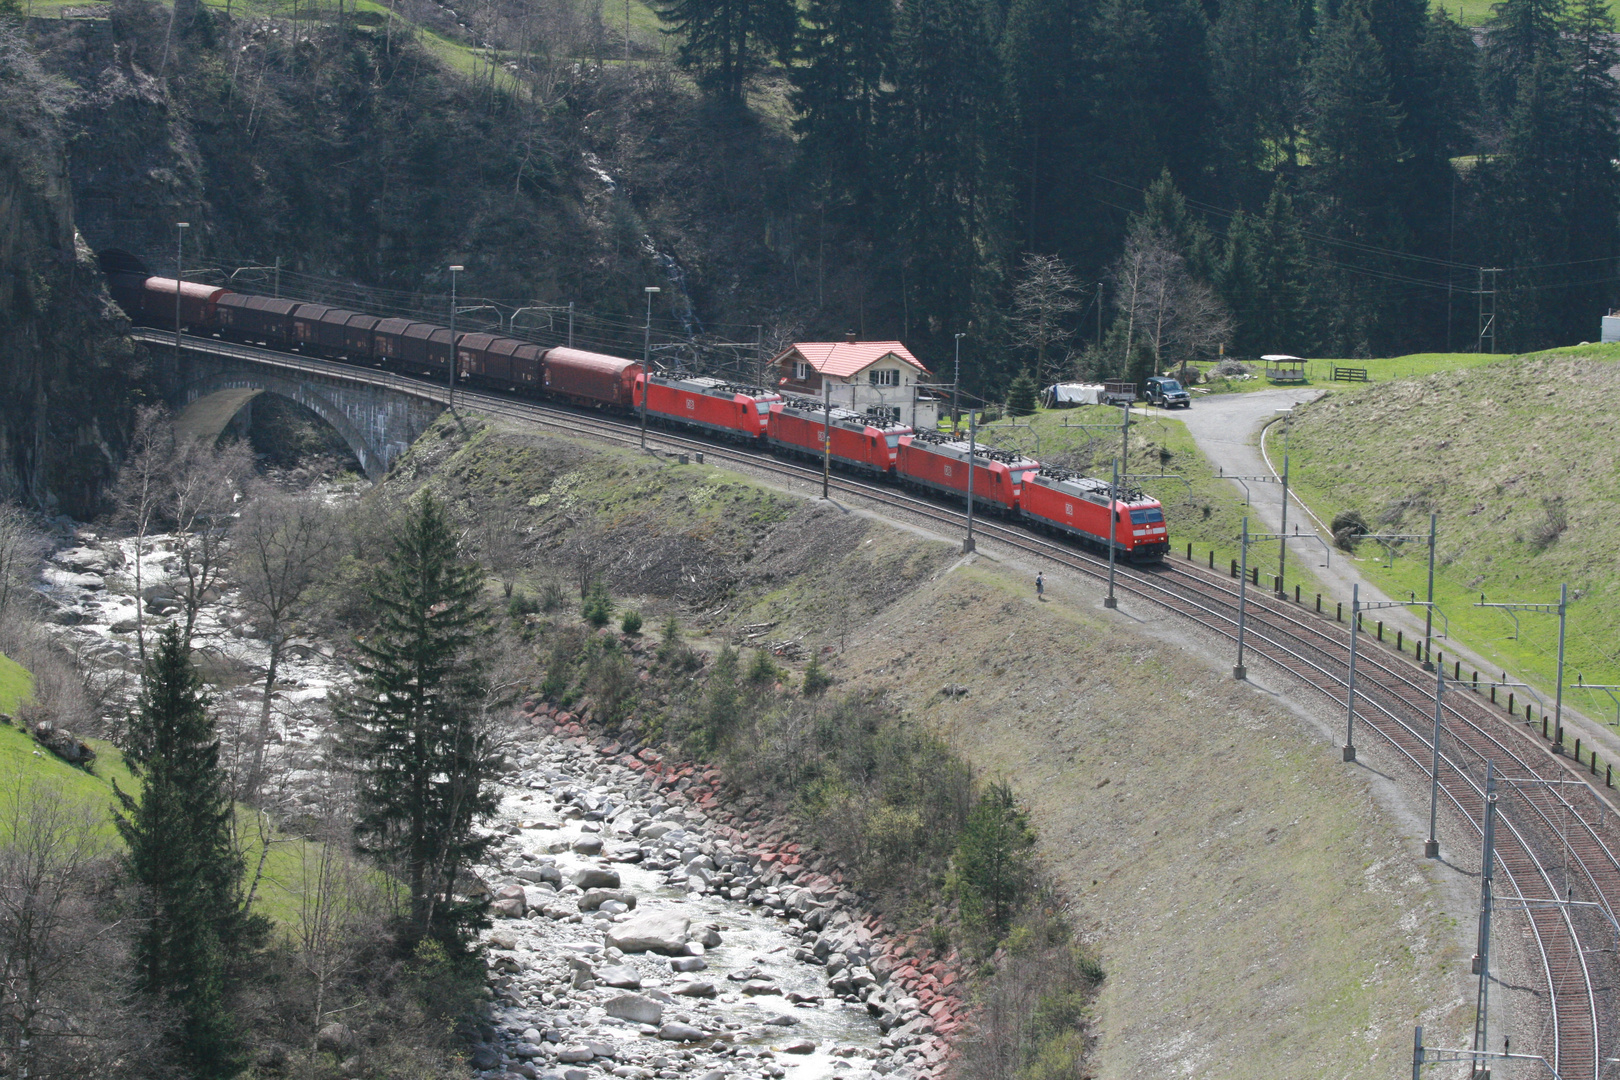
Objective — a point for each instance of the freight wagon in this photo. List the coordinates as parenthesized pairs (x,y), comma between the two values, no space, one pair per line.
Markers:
(589,378)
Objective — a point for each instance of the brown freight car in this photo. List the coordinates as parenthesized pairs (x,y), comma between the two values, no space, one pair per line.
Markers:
(590,378)
(256,318)
(198,302)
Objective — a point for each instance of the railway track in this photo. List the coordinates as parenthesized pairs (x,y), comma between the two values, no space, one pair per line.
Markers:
(1558,838)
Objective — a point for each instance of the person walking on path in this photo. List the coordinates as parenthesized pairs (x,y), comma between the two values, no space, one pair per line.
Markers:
(1040,587)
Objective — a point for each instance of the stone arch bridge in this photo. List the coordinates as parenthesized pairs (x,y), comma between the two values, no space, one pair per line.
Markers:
(208,383)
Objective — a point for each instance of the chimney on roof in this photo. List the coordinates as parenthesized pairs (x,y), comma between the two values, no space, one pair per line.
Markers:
(849,336)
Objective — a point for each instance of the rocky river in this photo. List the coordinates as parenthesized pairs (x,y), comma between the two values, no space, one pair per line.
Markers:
(649,921)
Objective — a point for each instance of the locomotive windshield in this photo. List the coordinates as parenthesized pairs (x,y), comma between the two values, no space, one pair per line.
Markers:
(1152,516)
(762,406)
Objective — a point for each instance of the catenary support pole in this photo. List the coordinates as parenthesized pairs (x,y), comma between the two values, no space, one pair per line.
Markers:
(454,270)
(1112,601)
(956,386)
(570,324)
(1238,670)
(1431,846)
(1558,701)
(180,228)
(1282,538)
(646,359)
(1428,612)
(1350,694)
(826,436)
(973,450)
(1487,867)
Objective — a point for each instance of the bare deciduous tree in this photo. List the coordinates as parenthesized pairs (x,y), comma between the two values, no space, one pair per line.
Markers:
(205,484)
(1044,299)
(63,1010)
(282,546)
(501,540)
(139,493)
(1163,305)
(21,547)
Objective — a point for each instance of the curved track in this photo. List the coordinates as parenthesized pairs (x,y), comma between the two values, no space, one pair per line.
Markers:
(1558,840)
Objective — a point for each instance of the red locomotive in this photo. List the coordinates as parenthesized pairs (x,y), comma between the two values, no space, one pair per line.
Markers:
(1079,506)
(936,462)
(708,404)
(1004,483)
(868,444)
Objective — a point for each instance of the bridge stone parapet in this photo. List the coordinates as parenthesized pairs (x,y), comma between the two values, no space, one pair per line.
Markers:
(209,382)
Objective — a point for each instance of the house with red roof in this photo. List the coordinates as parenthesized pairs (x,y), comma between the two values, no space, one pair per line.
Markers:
(865,376)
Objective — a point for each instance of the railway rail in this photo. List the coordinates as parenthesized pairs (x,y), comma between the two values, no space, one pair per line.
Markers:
(1559,837)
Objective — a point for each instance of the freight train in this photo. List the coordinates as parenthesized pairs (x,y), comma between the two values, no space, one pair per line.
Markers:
(1003,483)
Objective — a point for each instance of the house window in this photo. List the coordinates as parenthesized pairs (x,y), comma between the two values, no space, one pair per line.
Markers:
(801,371)
(890,377)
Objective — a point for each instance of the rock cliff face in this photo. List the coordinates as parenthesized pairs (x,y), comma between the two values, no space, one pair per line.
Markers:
(66,379)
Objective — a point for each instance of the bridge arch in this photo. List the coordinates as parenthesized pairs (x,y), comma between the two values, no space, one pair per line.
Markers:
(204,408)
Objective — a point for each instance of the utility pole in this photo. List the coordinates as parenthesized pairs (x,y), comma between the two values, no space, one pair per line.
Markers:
(1561,609)
(1487,311)
(570,324)
(1238,670)
(646,330)
(1428,612)
(956,386)
(826,436)
(1124,439)
(1112,601)
(454,270)
(973,450)
(278,277)
(1431,847)
(180,228)
(1282,544)
(1350,697)
(1487,866)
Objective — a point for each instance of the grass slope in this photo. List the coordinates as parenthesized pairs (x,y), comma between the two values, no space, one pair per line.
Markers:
(1242,891)
(23,763)
(1320,372)
(1520,461)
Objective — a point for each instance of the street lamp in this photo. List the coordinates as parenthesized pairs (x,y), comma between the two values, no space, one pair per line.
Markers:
(646,361)
(180,228)
(454,270)
(956,383)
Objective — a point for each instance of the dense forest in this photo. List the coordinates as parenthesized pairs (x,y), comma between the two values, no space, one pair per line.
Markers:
(1073,186)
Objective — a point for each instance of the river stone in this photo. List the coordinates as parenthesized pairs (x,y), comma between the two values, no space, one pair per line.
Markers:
(661,932)
(688,963)
(681,1033)
(619,977)
(595,898)
(511,908)
(595,877)
(800,1046)
(636,1009)
(760,986)
(573,1055)
(783,1021)
(694,988)
(588,845)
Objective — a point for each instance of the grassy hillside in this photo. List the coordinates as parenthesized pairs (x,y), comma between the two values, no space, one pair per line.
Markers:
(23,762)
(1319,372)
(1520,461)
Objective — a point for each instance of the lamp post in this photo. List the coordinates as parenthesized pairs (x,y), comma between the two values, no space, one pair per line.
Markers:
(646,361)
(956,385)
(973,450)
(454,270)
(180,228)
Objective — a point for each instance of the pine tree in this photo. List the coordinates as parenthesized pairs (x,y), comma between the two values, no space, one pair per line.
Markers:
(1257,77)
(180,852)
(413,734)
(1283,320)
(1021,395)
(726,41)
(846,56)
(993,859)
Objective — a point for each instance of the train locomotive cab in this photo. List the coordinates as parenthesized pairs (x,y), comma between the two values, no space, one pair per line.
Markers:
(1076,506)
(860,442)
(737,412)
(936,462)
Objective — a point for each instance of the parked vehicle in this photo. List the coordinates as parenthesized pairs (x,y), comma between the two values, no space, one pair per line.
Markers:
(1167,393)
(1118,392)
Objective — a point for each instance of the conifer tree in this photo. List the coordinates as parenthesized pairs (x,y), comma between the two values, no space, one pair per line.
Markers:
(178,832)
(726,41)
(846,56)
(993,859)
(413,731)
